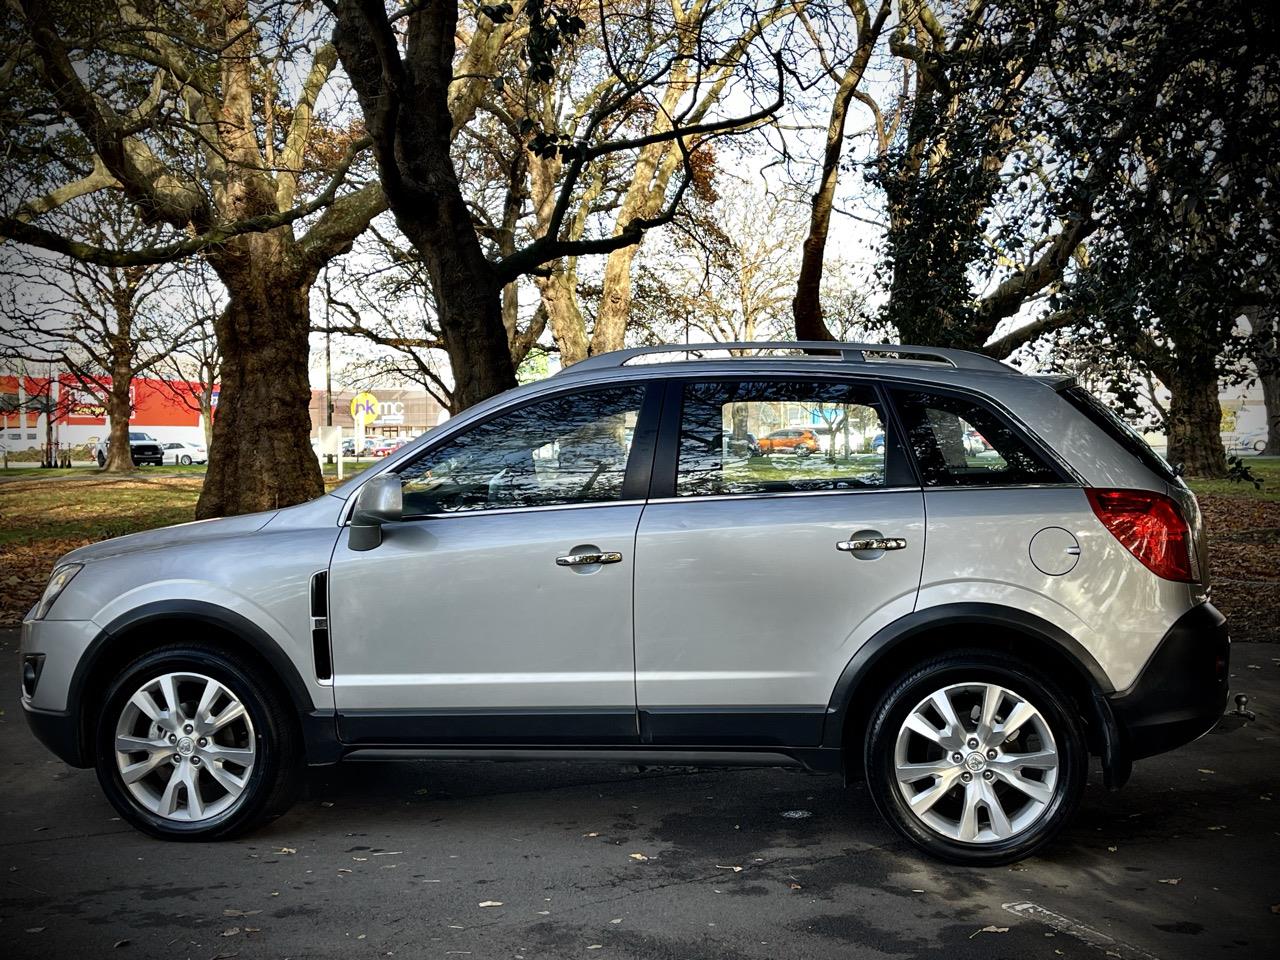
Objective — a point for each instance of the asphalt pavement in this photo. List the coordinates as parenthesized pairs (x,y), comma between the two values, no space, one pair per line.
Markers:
(522,860)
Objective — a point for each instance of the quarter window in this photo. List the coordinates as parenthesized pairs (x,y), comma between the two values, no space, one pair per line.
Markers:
(566,449)
(740,437)
(960,443)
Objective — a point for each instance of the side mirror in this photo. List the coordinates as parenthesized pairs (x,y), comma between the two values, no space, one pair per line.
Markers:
(379,501)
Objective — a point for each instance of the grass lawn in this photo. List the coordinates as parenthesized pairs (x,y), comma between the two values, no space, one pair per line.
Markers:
(1266,469)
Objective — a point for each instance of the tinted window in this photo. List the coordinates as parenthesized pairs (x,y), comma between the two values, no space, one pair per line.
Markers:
(567,449)
(1119,431)
(739,437)
(959,442)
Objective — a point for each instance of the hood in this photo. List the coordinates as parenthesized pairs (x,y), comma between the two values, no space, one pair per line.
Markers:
(183,533)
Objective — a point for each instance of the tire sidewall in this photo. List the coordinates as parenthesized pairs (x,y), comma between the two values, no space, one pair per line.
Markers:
(266,740)
(1053,705)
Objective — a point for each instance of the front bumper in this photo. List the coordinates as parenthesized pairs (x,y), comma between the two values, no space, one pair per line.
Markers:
(1182,691)
(59,645)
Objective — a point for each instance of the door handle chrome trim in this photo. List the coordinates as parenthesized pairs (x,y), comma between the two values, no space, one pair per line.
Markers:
(874,543)
(585,559)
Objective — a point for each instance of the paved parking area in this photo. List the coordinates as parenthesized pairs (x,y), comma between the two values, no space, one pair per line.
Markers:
(519,860)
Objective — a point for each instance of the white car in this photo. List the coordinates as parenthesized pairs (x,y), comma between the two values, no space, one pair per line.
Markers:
(181,452)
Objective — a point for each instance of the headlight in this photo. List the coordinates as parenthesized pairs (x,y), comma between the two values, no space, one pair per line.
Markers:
(57,583)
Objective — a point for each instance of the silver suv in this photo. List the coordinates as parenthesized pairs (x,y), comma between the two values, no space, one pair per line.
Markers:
(603,565)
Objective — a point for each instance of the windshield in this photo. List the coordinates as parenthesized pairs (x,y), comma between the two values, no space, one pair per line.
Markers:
(140,436)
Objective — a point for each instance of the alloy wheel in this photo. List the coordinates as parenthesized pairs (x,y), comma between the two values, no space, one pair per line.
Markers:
(185,747)
(976,763)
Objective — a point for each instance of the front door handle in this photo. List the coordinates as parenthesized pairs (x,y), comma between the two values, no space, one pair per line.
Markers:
(872,543)
(587,559)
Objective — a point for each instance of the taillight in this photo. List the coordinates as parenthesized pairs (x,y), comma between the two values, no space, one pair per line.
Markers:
(1150,526)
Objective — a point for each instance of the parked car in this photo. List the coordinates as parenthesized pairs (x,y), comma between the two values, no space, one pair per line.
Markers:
(800,442)
(143,449)
(387,446)
(366,446)
(181,452)
(508,586)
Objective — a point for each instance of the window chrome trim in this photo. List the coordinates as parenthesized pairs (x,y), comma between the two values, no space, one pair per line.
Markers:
(502,511)
(774,494)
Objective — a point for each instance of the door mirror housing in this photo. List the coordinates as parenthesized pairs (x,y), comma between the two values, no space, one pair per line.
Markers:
(379,501)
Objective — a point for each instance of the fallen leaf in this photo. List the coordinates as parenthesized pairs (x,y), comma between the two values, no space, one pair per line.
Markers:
(389,853)
(1174,881)
(619,920)
(1203,770)
(490,903)
(360,859)
(1219,827)
(638,856)
(1112,849)
(721,866)
(990,928)
(230,931)
(794,814)
(119,943)
(34,929)
(795,886)
(287,850)
(596,946)
(591,834)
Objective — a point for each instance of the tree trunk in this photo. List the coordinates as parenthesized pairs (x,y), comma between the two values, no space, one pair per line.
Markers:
(119,457)
(1271,401)
(615,301)
(206,416)
(1195,421)
(565,318)
(261,457)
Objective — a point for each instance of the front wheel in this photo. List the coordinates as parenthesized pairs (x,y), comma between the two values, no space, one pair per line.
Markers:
(192,746)
(185,460)
(976,759)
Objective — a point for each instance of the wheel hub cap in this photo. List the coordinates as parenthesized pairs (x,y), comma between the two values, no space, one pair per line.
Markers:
(185,747)
(976,763)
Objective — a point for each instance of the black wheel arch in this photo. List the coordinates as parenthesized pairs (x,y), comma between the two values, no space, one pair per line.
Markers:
(133,633)
(910,639)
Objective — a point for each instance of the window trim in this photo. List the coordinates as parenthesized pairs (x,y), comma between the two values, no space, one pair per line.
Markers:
(662,487)
(1066,476)
(635,478)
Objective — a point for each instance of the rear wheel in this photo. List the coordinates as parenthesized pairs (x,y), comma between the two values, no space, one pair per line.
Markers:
(186,460)
(976,759)
(191,746)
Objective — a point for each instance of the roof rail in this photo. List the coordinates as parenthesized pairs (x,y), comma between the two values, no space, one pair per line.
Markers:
(834,350)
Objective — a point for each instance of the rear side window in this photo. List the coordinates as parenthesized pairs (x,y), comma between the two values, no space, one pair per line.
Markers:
(1104,418)
(959,442)
(779,436)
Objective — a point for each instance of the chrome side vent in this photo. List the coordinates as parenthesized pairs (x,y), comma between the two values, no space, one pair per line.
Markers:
(320,626)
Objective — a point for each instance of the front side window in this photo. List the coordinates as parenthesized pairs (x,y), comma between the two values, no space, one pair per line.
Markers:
(779,436)
(566,449)
(958,442)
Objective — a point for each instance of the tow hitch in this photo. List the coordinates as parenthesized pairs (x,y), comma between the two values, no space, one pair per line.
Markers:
(1237,718)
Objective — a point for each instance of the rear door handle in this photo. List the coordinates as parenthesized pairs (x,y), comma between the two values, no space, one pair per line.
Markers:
(586,559)
(872,543)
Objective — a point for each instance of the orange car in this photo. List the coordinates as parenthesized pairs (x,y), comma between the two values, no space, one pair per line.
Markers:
(800,442)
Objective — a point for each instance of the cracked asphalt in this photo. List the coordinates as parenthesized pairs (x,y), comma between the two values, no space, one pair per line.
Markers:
(511,860)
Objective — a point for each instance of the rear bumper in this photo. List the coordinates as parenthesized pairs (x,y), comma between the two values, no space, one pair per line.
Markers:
(1182,691)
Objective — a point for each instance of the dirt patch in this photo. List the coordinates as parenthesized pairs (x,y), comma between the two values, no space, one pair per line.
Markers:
(1244,564)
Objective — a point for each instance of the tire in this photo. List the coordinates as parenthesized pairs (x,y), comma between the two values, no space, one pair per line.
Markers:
(185,460)
(802,452)
(102,462)
(959,823)
(242,795)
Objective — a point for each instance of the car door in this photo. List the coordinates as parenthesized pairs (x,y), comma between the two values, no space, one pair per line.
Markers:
(757,578)
(500,609)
